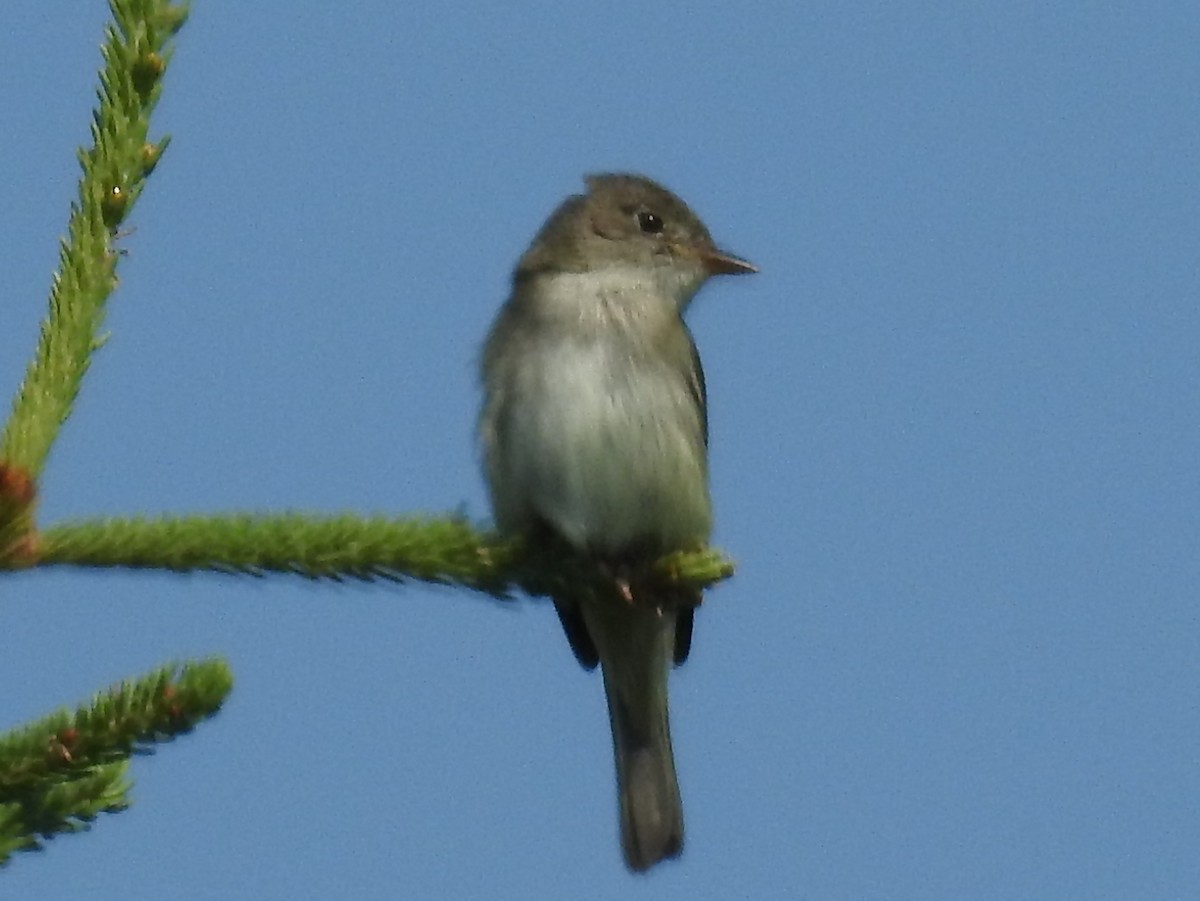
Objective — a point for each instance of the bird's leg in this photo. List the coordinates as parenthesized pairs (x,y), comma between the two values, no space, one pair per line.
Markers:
(625,590)
(621,578)
(633,583)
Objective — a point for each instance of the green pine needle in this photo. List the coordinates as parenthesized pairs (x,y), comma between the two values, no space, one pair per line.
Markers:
(115,167)
(443,551)
(58,773)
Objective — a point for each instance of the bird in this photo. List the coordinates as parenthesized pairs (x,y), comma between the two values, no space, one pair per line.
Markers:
(594,436)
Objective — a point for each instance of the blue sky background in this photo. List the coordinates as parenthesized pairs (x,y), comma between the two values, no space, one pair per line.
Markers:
(954,445)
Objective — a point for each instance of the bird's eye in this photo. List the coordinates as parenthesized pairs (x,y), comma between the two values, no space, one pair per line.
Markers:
(650,223)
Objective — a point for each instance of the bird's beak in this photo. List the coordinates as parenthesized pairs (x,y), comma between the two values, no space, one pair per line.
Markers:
(718,262)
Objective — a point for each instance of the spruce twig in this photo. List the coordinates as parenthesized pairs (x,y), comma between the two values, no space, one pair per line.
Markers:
(442,551)
(136,52)
(59,773)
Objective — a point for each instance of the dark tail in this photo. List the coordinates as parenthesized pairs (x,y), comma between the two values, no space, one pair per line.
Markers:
(636,646)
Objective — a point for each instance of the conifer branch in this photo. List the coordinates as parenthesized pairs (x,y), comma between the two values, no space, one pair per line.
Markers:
(136,52)
(442,551)
(59,773)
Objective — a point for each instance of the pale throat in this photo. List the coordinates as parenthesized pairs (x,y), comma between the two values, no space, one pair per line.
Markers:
(619,295)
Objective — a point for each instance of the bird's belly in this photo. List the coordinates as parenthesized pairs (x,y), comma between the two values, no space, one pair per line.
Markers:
(610,451)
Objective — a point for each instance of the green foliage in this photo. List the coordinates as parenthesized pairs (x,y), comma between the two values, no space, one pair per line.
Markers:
(115,167)
(58,773)
(443,551)
(335,547)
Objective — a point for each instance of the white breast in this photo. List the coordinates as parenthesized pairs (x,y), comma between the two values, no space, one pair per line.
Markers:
(601,440)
